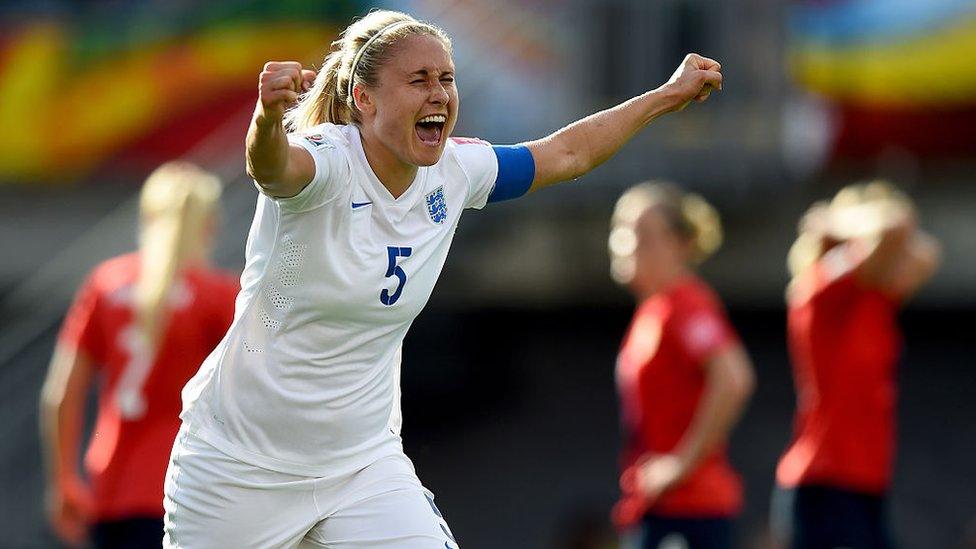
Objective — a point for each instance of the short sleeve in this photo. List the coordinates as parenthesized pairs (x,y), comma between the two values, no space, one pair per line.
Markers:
(479,163)
(495,172)
(703,333)
(81,329)
(331,169)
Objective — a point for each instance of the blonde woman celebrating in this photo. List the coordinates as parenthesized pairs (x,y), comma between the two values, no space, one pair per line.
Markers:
(140,324)
(291,428)
(682,374)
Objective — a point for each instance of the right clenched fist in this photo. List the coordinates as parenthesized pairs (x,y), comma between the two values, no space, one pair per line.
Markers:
(694,80)
(279,86)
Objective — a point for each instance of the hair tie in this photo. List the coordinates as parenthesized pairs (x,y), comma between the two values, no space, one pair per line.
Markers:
(359,54)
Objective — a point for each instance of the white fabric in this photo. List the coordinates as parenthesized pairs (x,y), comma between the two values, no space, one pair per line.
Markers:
(306,381)
(212,500)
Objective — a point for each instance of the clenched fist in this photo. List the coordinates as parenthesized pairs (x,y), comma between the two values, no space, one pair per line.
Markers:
(280,84)
(694,80)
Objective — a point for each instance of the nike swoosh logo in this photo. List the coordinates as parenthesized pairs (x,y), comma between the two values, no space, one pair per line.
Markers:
(360,204)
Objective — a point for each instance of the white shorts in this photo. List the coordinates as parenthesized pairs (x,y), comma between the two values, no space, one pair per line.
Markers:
(214,500)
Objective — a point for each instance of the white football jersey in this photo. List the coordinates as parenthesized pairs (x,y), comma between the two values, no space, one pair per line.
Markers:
(307,379)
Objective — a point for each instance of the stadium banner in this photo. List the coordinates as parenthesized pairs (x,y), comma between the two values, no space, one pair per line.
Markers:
(138,85)
(893,70)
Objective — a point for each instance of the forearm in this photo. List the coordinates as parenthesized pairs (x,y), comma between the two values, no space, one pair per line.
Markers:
(719,408)
(587,143)
(926,251)
(267,150)
(914,267)
(62,414)
(598,137)
(584,145)
(61,438)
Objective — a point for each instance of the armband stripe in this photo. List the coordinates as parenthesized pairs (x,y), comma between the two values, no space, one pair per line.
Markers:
(516,171)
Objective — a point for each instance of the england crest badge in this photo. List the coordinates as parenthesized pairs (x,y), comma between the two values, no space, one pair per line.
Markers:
(436,205)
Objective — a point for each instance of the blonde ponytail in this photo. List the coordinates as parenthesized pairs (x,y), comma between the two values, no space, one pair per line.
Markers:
(705,224)
(176,203)
(354,58)
(324,101)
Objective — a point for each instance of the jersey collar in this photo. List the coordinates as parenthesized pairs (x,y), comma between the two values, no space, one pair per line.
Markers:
(375,188)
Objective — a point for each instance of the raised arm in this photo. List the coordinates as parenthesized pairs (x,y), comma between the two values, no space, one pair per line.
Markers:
(282,170)
(922,257)
(587,143)
(899,257)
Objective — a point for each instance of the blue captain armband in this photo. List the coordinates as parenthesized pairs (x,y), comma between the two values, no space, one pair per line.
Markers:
(516,170)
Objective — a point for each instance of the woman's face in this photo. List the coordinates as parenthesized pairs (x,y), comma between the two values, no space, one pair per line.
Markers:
(414,106)
(659,251)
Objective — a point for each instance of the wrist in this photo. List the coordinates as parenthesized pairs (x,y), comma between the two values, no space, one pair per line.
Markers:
(665,100)
(265,121)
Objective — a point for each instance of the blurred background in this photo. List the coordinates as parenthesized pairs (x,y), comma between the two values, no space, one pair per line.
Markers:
(509,400)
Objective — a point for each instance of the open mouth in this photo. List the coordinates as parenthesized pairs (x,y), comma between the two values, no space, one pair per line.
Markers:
(430,129)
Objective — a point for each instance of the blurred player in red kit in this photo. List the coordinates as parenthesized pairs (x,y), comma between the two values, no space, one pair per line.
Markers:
(140,326)
(682,374)
(854,263)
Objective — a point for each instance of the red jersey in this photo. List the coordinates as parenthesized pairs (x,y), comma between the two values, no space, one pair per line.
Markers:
(844,343)
(660,379)
(139,394)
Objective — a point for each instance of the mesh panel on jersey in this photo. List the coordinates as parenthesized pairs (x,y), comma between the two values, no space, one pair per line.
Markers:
(269,322)
(250,349)
(289,267)
(278,301)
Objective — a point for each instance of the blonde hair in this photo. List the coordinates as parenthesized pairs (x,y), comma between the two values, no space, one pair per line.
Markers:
(354,58)
(811,242)
(687,214)
(176,204)
(809,245)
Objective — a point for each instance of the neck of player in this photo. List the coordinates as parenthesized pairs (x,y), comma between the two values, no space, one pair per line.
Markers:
(664,277)
(392,172)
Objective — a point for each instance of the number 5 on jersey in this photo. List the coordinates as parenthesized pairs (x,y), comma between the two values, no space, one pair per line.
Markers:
(393,252)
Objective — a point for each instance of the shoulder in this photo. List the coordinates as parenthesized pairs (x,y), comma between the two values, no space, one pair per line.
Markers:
(467,142)
(466,149)
(699,321)
(695,303)
(658,310)
(696,295)
(114,272)
(330,149)
(325,136)
(474,157)
(831,274)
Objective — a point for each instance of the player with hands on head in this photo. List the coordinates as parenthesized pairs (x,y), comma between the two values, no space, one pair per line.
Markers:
(361,189)
(682,374)
(856,260)
(138,329)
